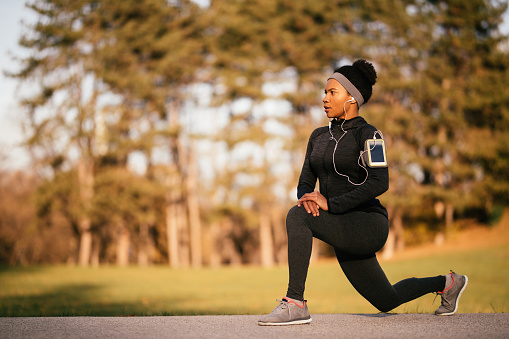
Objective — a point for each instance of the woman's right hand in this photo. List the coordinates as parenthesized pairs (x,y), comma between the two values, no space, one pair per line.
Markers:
(312,202)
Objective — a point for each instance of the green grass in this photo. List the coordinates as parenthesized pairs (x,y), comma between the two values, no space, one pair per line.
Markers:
(113,291)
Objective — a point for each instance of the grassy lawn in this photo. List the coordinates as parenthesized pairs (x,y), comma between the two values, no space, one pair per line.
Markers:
(112,291)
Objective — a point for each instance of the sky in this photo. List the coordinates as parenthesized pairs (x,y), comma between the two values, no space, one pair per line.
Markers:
(12,12)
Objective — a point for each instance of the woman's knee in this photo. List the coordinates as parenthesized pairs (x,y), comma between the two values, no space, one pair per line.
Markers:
(295,217)
(384,303)
(384,308)
(294,212)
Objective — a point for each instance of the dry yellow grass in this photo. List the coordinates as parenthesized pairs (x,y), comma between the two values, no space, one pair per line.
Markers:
(473,236)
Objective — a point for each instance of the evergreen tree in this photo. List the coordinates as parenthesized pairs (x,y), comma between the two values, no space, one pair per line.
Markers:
(437,60)
(137,57)
(463,107)
(159,45)
(61,113)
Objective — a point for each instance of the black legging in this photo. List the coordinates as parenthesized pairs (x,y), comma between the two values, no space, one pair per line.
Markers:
(356,237)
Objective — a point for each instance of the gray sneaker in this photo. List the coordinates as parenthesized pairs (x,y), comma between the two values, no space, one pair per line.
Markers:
(286,313)
(452,294)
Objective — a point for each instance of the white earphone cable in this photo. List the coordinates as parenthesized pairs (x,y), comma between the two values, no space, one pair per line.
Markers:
(336,146)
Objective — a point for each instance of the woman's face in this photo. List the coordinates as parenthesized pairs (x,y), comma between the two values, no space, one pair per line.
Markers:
(335,97)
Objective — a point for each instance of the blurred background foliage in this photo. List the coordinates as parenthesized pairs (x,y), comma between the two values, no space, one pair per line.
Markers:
(164,131)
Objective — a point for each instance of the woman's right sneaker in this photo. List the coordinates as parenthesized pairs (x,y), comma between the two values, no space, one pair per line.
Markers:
(451,295)
(288,312)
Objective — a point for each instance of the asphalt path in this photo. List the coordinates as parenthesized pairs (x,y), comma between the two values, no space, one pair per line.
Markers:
(478,325)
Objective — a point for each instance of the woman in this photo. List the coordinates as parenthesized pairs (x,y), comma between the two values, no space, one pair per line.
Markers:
(345,212)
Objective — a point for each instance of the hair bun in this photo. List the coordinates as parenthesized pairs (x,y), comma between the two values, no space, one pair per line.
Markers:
(367,69)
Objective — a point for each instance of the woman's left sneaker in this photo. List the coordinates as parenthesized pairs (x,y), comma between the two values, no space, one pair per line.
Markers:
(451,295)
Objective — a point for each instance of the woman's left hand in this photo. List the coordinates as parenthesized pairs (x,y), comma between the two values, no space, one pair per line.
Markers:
(312,202)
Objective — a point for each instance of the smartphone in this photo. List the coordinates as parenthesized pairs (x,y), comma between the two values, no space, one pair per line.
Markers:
(374,154)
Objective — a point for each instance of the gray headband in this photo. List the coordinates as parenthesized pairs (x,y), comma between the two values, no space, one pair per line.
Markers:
(349,87)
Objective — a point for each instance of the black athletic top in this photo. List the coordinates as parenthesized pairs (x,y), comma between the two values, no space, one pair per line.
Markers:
(341,195)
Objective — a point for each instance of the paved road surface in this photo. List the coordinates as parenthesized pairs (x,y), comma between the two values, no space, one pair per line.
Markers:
(245,326)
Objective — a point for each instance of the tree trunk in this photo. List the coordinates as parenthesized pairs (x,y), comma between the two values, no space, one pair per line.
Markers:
(266,241)
(193,209)
(183,229)
(172,223)
(96,250)
(85,248)
(449,215)
(439,208)
(214,240)
(279,231)
(86,192)
(388,249)
(397,223)
(123,245)
(143,245)
(178,249)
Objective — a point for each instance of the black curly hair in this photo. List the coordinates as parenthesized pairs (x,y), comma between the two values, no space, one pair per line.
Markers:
(367,69)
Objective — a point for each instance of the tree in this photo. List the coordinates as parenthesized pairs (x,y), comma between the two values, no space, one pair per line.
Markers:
(468,67)
(459,63)
(81,51)
(159,45)
(62,111)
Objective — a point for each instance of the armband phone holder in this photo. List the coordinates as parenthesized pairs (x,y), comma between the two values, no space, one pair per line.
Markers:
(374,154)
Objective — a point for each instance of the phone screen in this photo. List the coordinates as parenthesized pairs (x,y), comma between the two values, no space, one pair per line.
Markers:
(377,152)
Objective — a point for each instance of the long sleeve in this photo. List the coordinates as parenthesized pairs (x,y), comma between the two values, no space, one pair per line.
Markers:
(307,179)
(332,160)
